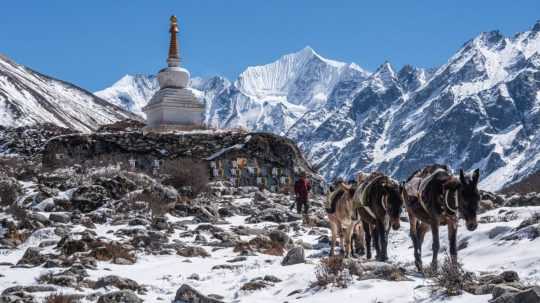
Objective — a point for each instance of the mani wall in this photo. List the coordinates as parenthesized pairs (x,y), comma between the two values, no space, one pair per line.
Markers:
(245,159)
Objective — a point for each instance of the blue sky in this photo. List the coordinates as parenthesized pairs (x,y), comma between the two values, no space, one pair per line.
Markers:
(94,43)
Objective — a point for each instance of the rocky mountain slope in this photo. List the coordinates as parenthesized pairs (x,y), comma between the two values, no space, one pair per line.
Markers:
(28,97)
(479,110)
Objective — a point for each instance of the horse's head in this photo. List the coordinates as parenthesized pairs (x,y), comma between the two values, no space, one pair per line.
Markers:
(393,192)
(469,198)
(348,189)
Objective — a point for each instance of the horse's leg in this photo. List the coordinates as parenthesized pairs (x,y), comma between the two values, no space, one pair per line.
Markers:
(376,241)
(360,239)
(333,229)
(348,240)
(436,245)
(414,237)
(383,239)
(452,235)
(421,230)
(367,235)
(341,240)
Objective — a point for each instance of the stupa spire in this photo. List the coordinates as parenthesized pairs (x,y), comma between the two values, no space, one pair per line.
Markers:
(174,57)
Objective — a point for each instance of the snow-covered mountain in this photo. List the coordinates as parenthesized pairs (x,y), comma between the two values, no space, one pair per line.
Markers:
(28,97)
(479,110)
(131,92)
(269,97)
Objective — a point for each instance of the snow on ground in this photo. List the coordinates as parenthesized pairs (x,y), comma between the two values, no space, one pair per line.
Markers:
(163,274)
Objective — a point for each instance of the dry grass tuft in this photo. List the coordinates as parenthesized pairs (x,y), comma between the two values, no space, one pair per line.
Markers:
(332,271)
(451,277)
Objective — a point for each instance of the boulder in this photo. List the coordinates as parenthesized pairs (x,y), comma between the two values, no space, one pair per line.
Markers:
(37,217)
(294,256)
(116,186)
(89,198)
(118,282)
(531,295)
(498,230)
(502,291)
(193,251)
(32,257)
(255,285)
(138,222)
(71,246)
(188,294)
(509,276)
(122,296)
(508,294)
(60,218)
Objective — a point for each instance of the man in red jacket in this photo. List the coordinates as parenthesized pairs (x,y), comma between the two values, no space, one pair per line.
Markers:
(301,190)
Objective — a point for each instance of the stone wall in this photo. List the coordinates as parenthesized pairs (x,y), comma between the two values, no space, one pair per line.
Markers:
(257,159)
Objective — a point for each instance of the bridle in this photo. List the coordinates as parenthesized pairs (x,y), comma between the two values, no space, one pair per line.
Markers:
(452,210)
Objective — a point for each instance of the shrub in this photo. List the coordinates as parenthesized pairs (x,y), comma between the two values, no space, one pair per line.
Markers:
(186,175)
(332,271)
(10,190)
(451,277)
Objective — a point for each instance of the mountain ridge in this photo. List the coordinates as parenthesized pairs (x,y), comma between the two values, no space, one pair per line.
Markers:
(29,97)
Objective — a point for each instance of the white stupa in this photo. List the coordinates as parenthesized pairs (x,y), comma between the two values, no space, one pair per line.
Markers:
(174,106)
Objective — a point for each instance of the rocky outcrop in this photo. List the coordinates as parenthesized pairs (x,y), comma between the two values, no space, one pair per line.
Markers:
(29,140)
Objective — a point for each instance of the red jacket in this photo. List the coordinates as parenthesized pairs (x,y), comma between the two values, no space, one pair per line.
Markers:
(301,189)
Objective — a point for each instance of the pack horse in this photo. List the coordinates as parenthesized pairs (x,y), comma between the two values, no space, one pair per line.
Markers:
(434,197)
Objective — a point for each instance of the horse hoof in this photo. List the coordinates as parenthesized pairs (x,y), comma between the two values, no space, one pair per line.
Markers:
(419,266)
(354,256)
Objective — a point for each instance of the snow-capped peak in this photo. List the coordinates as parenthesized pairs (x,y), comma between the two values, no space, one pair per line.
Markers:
(489,39)
(131,92)
(277,78)
(536,27)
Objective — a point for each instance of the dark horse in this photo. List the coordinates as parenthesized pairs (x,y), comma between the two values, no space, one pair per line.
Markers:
(434,197)
(378,201)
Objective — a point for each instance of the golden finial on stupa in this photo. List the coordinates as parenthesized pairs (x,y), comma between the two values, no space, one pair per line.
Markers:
(174,25)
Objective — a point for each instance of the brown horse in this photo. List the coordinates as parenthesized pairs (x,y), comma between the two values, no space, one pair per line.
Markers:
(341,220)
(379,202)
(434,197)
